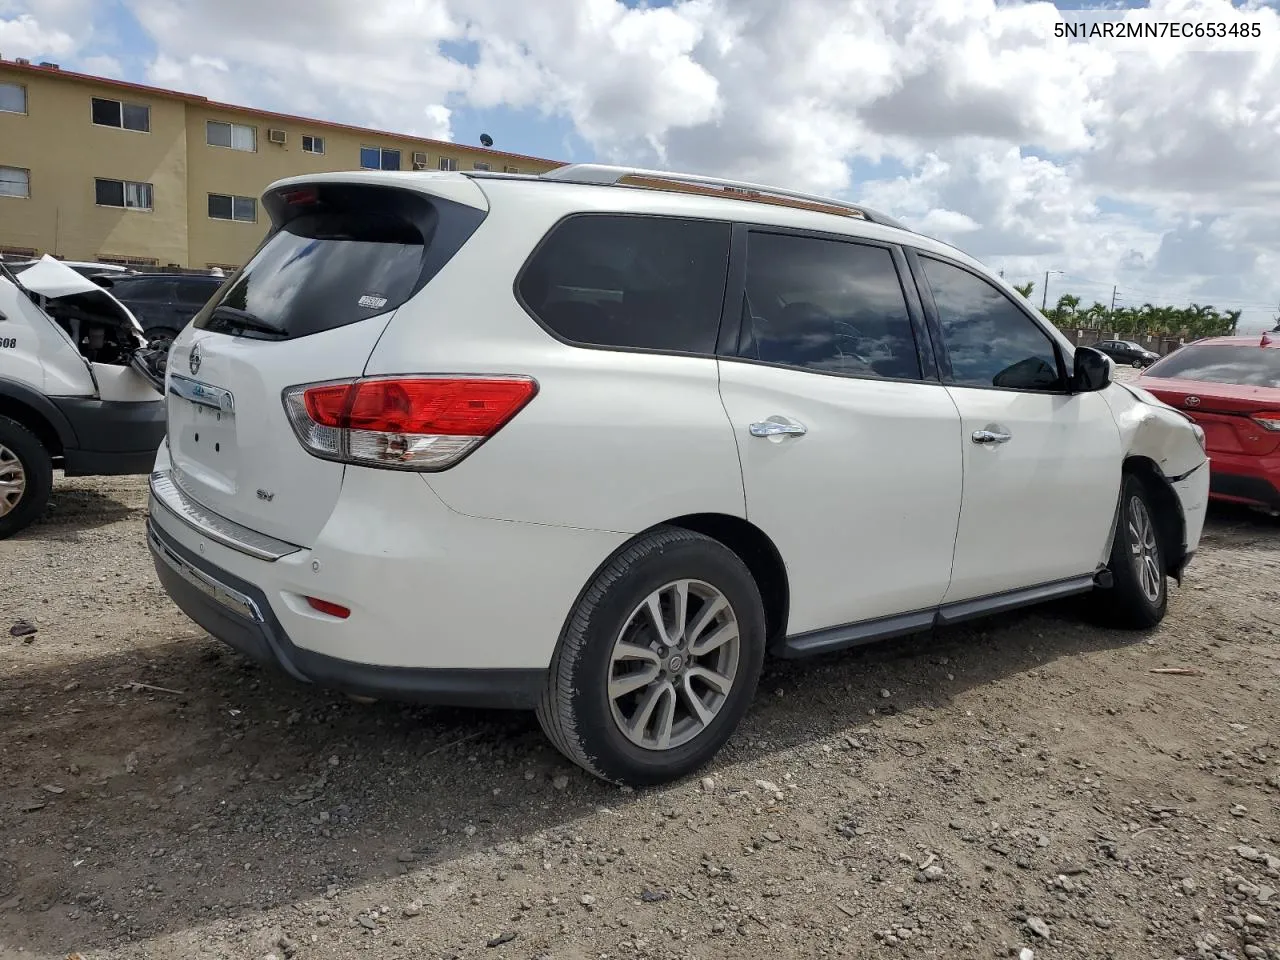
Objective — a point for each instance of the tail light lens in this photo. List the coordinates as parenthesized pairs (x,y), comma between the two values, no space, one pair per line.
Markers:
(1268,421)
(404,423)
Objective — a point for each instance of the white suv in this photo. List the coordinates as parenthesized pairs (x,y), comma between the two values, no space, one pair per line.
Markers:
(596,443)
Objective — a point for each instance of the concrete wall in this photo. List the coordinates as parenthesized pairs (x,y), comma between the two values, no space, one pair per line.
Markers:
(65,151)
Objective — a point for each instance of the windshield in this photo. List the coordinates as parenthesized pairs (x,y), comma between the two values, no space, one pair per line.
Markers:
(1245,364)
(322,271)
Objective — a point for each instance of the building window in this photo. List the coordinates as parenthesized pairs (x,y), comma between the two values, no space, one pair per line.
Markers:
(448,163)
(120,260)
(235,136)
(479,166)
(227,268)
(122,193)
(379,158)
(126,116)
(510,169)
(313,144)
(18,253)
(15,182)
(225,207)
(13,98)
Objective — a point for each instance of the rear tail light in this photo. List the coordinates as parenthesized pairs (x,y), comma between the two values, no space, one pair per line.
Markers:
(1268,421)
(404,423)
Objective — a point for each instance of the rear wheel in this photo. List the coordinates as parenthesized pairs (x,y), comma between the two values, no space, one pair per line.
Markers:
(1139,595)
(26,477)
(1138,364)
(658,662)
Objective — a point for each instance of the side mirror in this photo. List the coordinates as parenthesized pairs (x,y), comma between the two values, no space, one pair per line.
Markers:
(1092,371)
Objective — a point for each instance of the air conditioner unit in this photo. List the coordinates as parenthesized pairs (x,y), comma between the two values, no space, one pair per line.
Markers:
(277,136)
(419,161)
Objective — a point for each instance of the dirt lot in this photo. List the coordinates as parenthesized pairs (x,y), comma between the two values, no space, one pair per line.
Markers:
(1031,783)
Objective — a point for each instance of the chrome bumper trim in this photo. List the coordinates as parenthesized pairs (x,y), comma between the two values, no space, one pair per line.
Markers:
(166,493)
(220,593)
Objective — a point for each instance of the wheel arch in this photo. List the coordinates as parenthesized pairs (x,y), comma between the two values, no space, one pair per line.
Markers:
(1171,523)
(37,414)
(755,549)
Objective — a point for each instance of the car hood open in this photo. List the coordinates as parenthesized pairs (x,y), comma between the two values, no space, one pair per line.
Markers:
(50,278)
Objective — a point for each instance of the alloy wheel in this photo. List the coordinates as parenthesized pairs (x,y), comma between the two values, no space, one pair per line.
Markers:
(1145,549)
(13,481)
(673,664)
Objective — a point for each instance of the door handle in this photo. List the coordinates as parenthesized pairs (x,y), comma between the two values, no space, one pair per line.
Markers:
(778,427)
(991,436)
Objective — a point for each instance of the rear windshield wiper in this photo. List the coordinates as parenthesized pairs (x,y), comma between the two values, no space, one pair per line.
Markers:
(234,320)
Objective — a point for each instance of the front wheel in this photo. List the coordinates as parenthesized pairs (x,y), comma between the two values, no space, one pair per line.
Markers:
(658,662)
(26,477)
(1139,595)
(1139,364)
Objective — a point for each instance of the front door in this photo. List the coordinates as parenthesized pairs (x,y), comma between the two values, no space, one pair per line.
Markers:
(848,452)
(1041,465)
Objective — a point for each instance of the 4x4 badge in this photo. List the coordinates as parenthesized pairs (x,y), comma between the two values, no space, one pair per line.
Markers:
(193,361)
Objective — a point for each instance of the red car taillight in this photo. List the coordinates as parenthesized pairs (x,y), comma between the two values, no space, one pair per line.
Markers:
(404,423)
(1268,421)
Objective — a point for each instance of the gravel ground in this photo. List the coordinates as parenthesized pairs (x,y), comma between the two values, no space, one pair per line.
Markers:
(1027,784)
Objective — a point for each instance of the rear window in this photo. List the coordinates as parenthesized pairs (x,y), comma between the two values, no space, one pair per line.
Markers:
(654,283)
(1246,364)
(338,255)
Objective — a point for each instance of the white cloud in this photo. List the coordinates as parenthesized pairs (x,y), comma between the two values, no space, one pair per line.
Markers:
(1148,167)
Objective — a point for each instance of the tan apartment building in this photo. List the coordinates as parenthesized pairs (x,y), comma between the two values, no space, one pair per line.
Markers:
(98,169)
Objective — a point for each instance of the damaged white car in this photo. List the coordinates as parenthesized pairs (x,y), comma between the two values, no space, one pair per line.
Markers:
(79,388)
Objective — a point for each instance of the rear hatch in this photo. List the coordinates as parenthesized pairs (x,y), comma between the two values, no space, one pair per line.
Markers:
(344,253)
(1231,389)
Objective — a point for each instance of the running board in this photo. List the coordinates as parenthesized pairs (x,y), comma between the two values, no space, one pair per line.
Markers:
(849,635)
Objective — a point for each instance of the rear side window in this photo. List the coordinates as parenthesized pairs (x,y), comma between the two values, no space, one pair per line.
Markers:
(155,290)
(340,254)
(195,292)
(654,283)
(990,342)
(826,306)
(1246,364)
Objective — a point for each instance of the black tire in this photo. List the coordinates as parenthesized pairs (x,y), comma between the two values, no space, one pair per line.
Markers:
(576,711)
(1129,603)
(1138,364)
(21,450)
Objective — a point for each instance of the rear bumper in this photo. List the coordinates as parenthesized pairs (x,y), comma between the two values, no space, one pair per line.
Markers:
(112,438)
(240,615)
(1238,478)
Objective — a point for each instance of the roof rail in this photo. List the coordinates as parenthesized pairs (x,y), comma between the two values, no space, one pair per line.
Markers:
(599,173)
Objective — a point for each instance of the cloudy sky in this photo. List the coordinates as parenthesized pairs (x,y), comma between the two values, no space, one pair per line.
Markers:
(1152,165)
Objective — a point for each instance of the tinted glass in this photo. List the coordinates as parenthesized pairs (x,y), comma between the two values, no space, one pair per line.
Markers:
(217,134)
(137,117)
(106,112)
(826,306)
(109,193)
(153,289)
(617,281)
(219,206)
(13,98)
(321,271)
(196,292)
(990,341)
(1247,364)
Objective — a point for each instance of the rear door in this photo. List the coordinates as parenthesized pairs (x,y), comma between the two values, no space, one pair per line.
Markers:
(846,438)
(1041,465)
(308,307)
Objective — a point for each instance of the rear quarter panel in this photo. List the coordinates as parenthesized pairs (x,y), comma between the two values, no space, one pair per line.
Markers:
(614,440)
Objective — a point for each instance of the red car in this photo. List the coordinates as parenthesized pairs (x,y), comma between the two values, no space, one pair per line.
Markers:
(1230,386)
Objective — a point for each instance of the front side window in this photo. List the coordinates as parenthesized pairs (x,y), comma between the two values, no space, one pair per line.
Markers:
(379,158)
(223,206)
(127,116)
(991,343)
(234,136)
(122,193)
(15,182)
(653,283)
(826,306)
(13,98)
